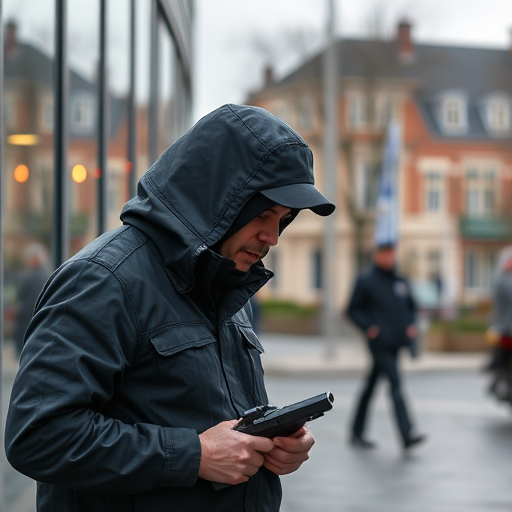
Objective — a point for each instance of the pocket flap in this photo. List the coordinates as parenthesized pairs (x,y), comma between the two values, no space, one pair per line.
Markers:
(181,337)
(250,336)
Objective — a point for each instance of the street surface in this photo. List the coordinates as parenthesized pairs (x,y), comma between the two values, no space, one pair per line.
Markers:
(465,466)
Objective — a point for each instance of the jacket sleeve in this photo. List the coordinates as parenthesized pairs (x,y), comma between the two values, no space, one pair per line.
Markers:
(357,309)
(79,344)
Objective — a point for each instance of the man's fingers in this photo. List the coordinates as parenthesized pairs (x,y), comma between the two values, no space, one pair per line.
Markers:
(261,444)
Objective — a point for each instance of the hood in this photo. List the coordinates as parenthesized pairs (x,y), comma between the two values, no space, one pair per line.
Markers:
(191,195)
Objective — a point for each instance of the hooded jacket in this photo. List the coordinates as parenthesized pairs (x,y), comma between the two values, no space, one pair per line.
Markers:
(130,354)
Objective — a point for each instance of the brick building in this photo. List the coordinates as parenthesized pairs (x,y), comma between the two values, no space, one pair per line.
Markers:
(454,106)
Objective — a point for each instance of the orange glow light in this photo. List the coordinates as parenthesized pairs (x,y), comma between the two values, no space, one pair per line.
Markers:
(21,173)
(79,173)
(23,139)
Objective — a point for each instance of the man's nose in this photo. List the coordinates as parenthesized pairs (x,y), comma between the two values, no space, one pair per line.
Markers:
(270,234)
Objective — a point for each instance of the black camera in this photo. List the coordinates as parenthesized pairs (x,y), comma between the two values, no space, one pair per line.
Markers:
(269,421)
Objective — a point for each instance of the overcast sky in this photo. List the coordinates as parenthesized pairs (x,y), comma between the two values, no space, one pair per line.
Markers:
(228,64)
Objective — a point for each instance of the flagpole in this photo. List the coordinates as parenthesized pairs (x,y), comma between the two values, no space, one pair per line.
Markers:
(330,76)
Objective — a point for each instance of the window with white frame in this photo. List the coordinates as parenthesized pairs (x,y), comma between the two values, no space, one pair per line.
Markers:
(480,191)
(433,191)
(282,111)
(305,113)
(498,114)
(434,261)
(385,109)
(453,112)
(82,113)
(47,114)
(356,110)
(365,186)
(478,269)
(9,112)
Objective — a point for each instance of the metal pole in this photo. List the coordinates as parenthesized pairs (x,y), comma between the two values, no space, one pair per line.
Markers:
(154,89)
(60,135)
(132,126)
(1,238)
(330,71)
(102,122)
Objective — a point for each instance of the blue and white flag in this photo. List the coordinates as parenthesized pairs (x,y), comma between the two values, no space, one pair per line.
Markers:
(388,201)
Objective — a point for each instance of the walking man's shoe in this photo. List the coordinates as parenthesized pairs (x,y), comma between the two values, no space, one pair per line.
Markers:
(414,440)
(362,443)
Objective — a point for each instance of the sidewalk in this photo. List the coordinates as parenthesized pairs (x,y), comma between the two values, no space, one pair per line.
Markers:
(314,356)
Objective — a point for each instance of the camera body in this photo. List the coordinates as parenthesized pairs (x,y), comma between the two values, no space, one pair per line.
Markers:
(269,421)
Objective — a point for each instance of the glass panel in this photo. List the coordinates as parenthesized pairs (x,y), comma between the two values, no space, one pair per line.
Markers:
(27,161)
(470,275)
(83,54)
(118,73)
(27,184)
(142,85)
(167,122)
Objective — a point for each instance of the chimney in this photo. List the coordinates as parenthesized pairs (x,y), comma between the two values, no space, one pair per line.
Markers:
(11,37)
(404,42)
(268,75)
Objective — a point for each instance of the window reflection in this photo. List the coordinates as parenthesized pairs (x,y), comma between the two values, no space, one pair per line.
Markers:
(28,146)
(166,111)
(118,74)
(142,84)
(83,54)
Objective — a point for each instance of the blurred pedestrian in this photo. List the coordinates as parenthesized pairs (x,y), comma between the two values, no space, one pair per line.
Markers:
(500,330)
(141,357)
(29,285)
(383,308)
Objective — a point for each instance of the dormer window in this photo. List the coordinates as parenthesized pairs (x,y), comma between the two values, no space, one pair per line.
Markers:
(495,111)
(452,111)
(82,113)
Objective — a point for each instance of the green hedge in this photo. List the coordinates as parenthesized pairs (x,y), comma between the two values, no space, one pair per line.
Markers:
(272,308)
(466,322)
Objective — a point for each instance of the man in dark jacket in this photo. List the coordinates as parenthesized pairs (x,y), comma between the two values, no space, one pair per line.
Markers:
(383,308)
(141,357)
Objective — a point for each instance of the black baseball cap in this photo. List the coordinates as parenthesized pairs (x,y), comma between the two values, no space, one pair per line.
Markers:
(300,196)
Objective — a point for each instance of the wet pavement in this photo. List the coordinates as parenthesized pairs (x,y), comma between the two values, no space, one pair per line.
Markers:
(465,466)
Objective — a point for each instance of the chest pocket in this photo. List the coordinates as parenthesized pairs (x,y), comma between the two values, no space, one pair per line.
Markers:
(181,337)
(186,358)
(188,386)
(253,349)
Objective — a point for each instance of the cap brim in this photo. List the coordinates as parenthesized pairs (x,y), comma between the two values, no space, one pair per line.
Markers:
(300,196)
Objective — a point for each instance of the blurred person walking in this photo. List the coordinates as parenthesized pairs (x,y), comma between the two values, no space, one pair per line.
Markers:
(499,333)
(382,307)
(29,285)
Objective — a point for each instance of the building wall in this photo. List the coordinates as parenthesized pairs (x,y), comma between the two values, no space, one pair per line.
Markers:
(430,242)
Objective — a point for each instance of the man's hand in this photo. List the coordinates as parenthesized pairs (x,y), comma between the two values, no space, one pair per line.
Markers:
(372,332)
(289,452)
(229,456)
(411,331)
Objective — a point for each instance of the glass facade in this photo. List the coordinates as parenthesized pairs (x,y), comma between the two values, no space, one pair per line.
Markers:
(76,141)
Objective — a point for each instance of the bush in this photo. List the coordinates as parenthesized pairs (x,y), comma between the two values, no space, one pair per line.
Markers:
(273,308)
(466,322)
